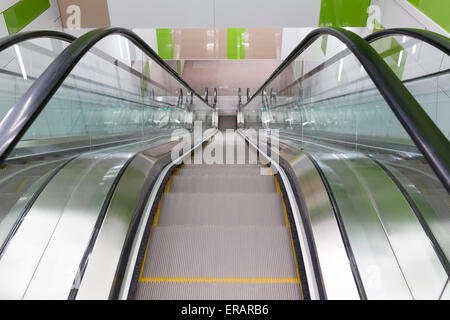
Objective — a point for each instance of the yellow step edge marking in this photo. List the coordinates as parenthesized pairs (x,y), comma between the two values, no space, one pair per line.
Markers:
(286,219)
(217,280)
(155,222)
(145,255)
(277,185)
(296,264)
(22,185)
(167,188)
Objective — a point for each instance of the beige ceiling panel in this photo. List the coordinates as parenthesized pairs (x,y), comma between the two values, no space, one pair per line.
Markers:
(264,43)
(84,13)
(200,43)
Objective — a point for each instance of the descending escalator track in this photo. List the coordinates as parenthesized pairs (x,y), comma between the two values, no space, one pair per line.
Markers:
(220,231)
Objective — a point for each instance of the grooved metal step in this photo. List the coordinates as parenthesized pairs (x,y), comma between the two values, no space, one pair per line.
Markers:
(223,184)
(214,167)
(221,170)
(218,291)
(219,252)
(221,209)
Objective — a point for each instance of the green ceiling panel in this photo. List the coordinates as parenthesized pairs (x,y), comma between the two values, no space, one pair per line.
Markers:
(235,43)
(437,10)
(165,43)
(23,12)
(343,13)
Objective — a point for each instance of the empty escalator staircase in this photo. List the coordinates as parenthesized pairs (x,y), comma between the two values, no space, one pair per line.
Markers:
(220,232)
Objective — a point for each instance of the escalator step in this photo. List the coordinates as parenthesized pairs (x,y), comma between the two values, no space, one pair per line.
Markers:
(221,209)
(211,184)
(214,167)
(218,291)
(219,252)
(223,170)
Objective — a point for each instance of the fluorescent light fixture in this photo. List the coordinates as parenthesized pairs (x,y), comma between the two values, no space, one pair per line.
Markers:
(128,52)
(341,64)
(404,39)
(122,55)
(120,46)
(22,66)
(400,58)
(414,48)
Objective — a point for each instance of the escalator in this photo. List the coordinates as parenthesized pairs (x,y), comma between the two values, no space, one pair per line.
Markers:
(389,199)
(221,232)
(121,187)
(23,58)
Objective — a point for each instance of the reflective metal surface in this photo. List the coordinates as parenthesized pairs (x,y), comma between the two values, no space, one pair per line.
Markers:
(394,256)
(432,201)
(75,207)
(42,259)
(102,266)
(51,231)
(337,275)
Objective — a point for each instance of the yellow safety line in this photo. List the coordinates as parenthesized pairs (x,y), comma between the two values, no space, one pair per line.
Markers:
(277,185)
(155,221)
(218,280)
(167,188)
(286,219)
(22,185)
(145,255)
(296,264)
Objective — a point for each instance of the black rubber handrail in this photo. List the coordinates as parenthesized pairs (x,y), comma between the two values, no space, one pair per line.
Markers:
(9,41)
(21,116)
(423,131)
(436,40)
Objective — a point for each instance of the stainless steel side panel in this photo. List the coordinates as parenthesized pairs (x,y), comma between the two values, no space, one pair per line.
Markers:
(337,275)
(67,204)
(99,275)
(429,196)
(43,257)
(394,256)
